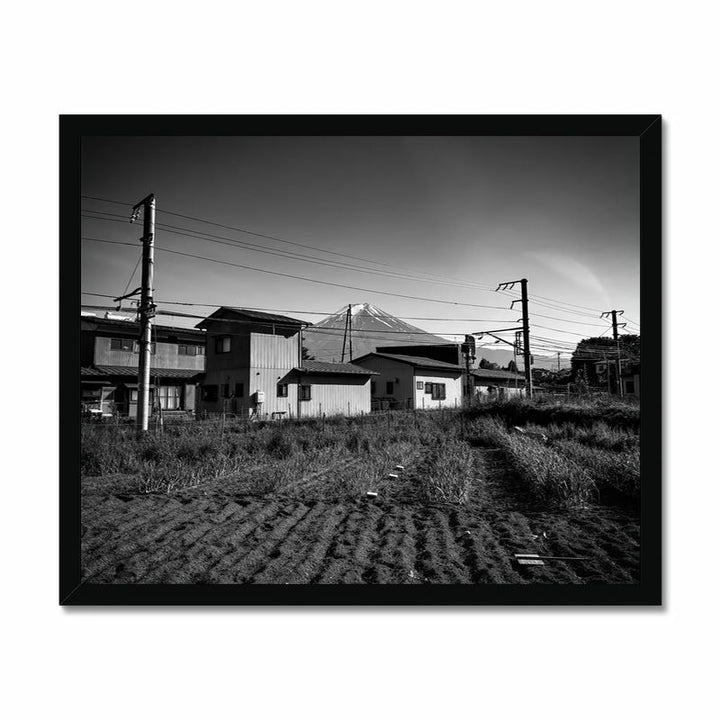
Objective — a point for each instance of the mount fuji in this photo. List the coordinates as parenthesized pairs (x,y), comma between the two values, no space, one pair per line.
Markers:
(371,327)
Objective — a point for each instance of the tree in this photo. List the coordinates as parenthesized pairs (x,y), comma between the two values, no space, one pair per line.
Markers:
(487,365)
(306,353)
(591,351)
(512,367)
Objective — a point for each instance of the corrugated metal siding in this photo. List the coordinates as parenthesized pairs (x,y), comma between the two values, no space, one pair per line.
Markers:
(334,396)
(273,351)
(165,356)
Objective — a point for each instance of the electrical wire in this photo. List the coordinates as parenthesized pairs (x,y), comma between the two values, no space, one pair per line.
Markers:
(298,277)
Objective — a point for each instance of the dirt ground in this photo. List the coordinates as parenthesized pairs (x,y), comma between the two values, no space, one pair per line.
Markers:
(218,533)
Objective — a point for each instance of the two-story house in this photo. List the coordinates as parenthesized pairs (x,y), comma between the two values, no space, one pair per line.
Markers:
(109,355)
(255,368)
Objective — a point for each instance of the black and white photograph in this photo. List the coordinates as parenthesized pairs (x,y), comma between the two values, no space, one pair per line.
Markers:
(398,361)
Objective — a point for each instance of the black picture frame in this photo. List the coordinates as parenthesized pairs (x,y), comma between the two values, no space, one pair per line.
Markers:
(648,591)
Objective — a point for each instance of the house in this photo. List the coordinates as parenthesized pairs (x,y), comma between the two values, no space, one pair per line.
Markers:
(109,357)
(629,375)
(497,383)
(255,368)
(412,382)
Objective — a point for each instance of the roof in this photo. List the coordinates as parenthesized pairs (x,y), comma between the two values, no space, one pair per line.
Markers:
(106,370)
(497,374)
(421,362)
(251,316)
(113,322)
(317,366)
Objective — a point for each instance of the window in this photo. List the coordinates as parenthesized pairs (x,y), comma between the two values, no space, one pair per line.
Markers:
(225,390)
(389,387)
(169,397)
(188,350)
(438,391)
(122,344)
(419,385)
(239,390)
(282,390)
(222,345)
(200,349)
(305,392)
(428,388)
(209,392)
(135,395)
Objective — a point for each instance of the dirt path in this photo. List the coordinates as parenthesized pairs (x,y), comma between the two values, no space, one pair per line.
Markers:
(215,535)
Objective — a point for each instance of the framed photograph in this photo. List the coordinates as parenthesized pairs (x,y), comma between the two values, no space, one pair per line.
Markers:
(360,360)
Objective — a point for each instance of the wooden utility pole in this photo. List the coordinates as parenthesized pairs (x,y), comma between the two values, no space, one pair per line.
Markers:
(350,329)
(614,314)
(526,338)
(527,357)
(345,335)
(468,349)
(147,308)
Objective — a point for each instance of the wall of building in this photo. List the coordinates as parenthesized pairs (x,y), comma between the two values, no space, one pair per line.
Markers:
(258,360)
(400,374)
(336,395)
(453,389)
(165,356)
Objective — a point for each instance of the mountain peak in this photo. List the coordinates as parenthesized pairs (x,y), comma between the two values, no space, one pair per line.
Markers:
(371,327)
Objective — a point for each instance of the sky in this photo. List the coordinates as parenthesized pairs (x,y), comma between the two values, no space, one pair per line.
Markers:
(440,219)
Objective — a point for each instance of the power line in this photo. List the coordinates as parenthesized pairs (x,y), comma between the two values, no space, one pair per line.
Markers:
(483,286)
(231,242)
(299,277)
(275,238)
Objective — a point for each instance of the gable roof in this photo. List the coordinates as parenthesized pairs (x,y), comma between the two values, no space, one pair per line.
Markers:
(106,323)
(317,366)
(250,316)
(421,362)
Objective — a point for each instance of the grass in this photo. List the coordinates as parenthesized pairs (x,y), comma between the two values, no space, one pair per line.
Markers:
(592,446)
(446,473)
(583,458)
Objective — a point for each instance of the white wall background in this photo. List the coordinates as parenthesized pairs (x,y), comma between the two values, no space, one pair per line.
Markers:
(525,57)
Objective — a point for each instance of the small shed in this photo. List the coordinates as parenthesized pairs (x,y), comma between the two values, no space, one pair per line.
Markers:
(326,388)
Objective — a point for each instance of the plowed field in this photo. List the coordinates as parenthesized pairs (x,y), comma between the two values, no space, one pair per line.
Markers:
(220,533)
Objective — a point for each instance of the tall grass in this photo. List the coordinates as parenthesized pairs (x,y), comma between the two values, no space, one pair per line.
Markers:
(446,472)
(340,457)
(581,412)
(548,476)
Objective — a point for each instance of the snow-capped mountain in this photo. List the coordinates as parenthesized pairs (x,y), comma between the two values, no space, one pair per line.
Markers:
(371,327)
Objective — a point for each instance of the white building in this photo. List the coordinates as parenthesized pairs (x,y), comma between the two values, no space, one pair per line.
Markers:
(408,382)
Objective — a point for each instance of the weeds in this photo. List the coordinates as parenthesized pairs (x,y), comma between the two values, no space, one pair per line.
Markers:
(586,451)
(446,473)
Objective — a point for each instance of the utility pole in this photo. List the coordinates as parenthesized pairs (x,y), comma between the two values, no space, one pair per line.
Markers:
(468,350)
(147,308)
(527,357)
(350,329)
(615,325)
(558,362)
(345,334)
